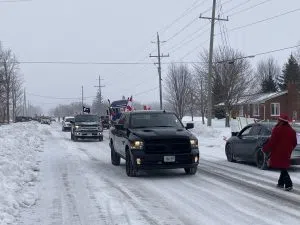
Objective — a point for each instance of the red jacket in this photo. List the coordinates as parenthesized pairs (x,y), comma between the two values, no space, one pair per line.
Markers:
(281,145)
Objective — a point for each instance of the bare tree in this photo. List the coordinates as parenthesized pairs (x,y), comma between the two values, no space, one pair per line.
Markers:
(8,72)
(200,89)
(232,77)
(267,73)
(179,80)
(17,96)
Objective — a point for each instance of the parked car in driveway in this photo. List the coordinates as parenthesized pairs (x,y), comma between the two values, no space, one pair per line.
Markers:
(247,145)
(66,125)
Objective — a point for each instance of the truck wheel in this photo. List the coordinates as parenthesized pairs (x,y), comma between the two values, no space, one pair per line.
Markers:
(191,171)
(63,129)
(130,170)
(101,138)
(75,138)
(72,136)
(115,158)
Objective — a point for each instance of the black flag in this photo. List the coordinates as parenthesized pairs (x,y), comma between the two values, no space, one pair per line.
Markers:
(86,110)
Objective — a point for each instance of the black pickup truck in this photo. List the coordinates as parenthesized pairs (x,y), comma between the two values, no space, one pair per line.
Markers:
(153,140)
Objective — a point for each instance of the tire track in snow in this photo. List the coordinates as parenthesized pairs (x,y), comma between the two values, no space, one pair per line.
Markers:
(273,196)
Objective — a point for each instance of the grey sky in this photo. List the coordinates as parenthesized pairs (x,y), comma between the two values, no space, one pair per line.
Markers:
(118,30)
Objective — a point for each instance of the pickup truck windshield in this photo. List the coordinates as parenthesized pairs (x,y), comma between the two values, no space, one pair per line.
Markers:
(144,120)
(69,119)
(86,118)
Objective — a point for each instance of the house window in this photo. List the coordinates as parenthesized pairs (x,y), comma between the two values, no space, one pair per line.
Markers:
(256,110)
(275,109)
(241,111)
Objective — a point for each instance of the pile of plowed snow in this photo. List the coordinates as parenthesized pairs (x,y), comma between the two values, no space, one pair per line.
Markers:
(19,145)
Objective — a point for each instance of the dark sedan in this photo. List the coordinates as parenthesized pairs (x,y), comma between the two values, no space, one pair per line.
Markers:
(247,145)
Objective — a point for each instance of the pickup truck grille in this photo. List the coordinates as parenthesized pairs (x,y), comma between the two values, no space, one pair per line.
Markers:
(167,146)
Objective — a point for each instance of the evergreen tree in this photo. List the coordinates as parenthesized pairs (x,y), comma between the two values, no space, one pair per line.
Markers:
(290,73)
(268,85)
(98,106)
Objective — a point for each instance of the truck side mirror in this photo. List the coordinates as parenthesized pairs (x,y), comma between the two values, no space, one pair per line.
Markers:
(189,126)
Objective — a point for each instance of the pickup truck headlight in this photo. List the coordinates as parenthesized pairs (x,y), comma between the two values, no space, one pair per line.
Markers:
(137,145)
(77,127)
(194,143)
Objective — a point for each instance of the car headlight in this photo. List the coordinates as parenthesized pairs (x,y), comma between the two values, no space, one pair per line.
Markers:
(194,143)
(77,127)
(137,145)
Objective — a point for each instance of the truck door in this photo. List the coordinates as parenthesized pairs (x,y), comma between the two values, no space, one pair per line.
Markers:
(123,135)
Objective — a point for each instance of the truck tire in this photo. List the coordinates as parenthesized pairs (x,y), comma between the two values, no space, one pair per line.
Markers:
(101,138)
(191,171)
(72,137)
(130,170)
(115,158)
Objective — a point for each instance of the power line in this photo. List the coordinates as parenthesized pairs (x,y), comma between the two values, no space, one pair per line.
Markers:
(147,91)
(264,20)
(194,6)
(14,1)
(251,7)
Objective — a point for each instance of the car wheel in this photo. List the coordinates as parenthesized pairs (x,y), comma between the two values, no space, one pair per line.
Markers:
(261,160)
(115,158)
(191,171)
(130,170)
(229,153)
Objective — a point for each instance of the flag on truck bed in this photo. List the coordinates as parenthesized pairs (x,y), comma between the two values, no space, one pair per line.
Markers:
(129,105)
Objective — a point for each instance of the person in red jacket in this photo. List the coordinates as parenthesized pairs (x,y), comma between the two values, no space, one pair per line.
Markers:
(280,146)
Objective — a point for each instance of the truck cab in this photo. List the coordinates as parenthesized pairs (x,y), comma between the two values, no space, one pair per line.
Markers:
(86,126)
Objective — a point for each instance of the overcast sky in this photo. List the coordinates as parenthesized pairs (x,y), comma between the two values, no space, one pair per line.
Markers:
(118,30)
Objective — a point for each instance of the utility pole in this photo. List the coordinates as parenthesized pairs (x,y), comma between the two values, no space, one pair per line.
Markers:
(99,86)
(82,97)
(159,56)
(24,106)
(211,49)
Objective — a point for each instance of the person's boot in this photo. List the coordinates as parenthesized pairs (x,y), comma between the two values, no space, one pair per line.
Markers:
(288,188)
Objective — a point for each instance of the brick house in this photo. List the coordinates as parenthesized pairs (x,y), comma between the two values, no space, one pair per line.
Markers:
(268,106)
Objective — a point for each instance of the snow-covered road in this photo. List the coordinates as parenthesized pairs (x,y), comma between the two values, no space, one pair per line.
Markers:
(79,186)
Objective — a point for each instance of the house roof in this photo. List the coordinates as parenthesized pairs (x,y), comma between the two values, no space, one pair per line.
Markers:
(257,98)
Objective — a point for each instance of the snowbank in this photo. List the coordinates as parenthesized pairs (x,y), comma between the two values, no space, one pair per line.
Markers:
(19,145)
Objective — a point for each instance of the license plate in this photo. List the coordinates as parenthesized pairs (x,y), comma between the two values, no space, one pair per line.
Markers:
(169,158)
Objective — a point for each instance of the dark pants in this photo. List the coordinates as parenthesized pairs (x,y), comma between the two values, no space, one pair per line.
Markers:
(284,179)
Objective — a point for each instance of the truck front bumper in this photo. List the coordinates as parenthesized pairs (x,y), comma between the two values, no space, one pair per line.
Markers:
(85,134)
(142,160)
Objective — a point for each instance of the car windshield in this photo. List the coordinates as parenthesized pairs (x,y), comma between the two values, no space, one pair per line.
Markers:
(69,119)
(87,118)
(144,120)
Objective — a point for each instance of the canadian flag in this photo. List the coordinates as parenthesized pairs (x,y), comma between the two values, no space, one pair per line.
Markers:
(129,106)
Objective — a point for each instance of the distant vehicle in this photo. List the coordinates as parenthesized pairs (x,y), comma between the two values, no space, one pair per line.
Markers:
(86,126)
(105,121)
(53,119)
(153,140)
(116,108)
(45,121)
(66,125)
(247,145)
(23,119)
